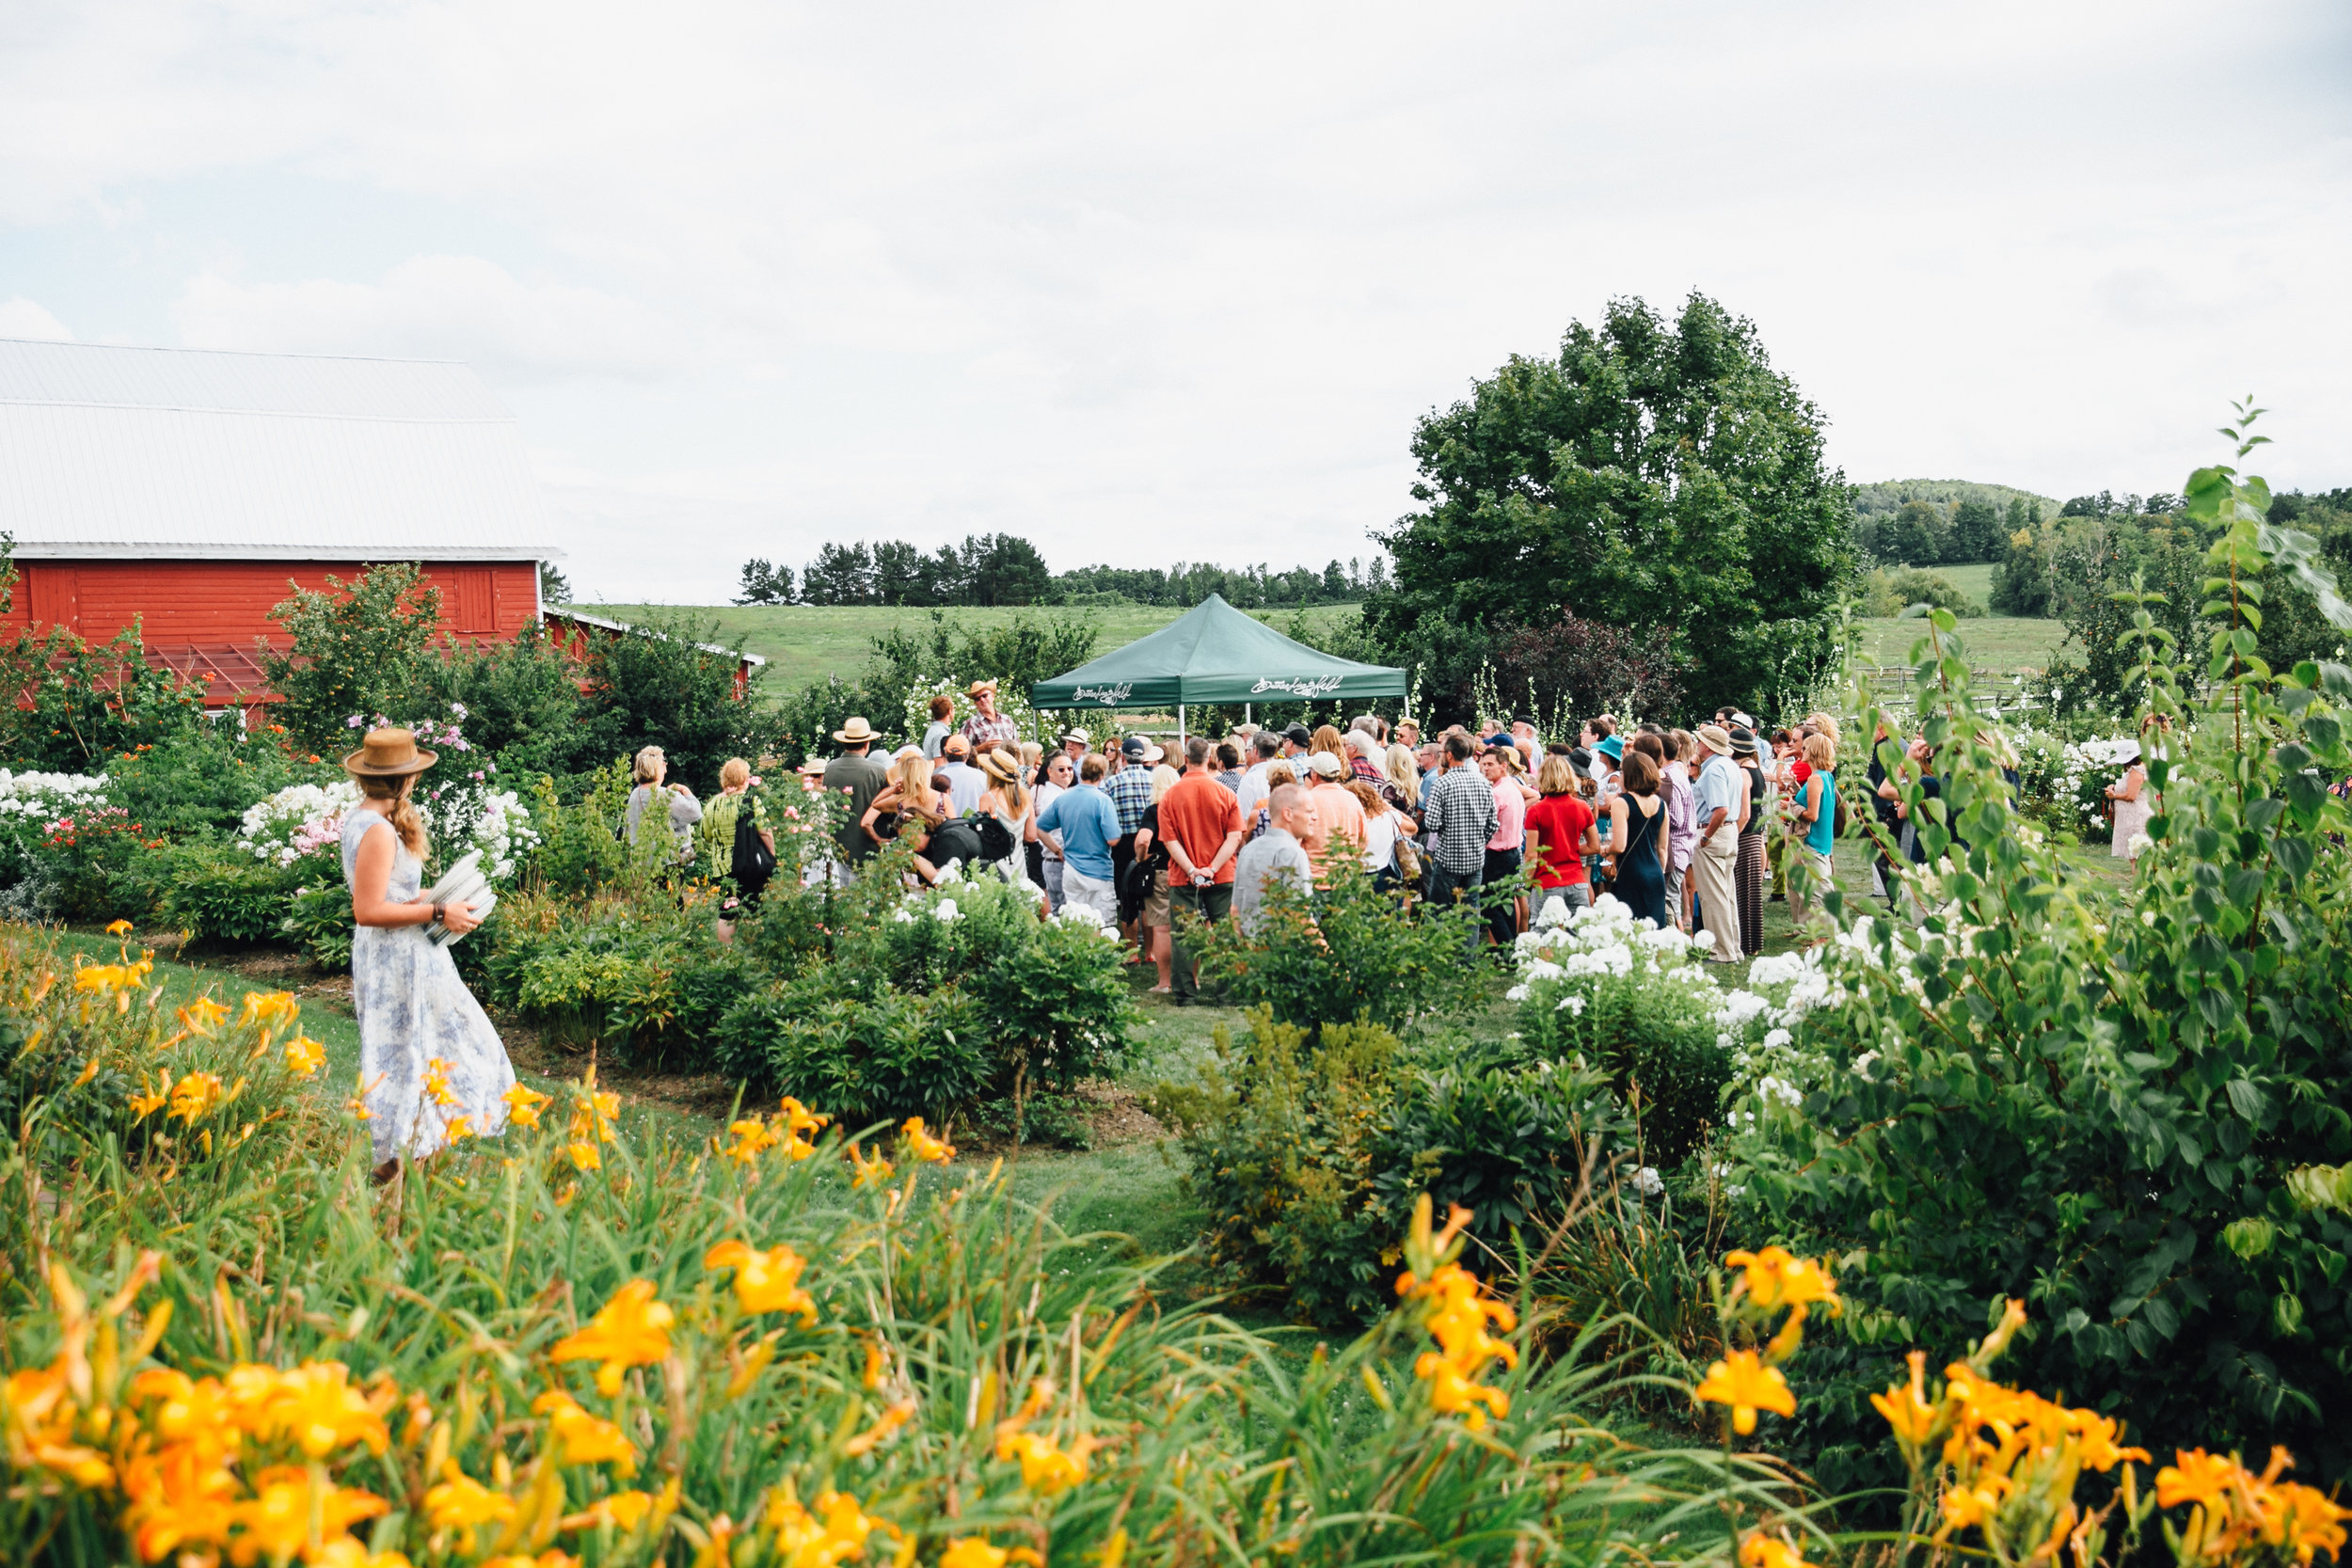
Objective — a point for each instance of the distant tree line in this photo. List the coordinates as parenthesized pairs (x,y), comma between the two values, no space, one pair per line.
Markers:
(2069,567)
(1920,531)
(1006,569)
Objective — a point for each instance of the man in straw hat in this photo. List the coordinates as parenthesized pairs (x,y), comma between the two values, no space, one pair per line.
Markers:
(986,723)
(1715,863)
(857,774)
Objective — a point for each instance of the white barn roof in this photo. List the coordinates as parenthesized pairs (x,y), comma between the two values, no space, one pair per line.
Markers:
(142,452)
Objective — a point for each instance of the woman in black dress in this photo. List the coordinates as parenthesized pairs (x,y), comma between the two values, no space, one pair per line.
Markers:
(1637,832)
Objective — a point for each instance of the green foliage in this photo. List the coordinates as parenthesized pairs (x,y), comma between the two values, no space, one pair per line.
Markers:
(1510,1135)
(1278,1139)
(1887,593)
(2092,1105)
(318,920)
(215,893)
(639,974)
(869,1059)
(1656,1043)
(663,685)
(1351,951)
(924,1004)
(200,779)
(1657,472)
(522,705)
(366,647)
(939,1298)
(581,848)
(79,705)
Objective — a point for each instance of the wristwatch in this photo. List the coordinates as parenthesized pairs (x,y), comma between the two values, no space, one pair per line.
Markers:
(440,914)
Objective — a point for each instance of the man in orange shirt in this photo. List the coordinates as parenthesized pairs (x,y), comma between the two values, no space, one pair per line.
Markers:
(1339,818)
(1200,827)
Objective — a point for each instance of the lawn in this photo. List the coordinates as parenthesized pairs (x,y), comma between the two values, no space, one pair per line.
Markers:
(806,642)
(2005,642)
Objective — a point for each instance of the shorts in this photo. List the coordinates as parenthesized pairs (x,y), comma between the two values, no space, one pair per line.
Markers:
(1092,892)
(1155,902)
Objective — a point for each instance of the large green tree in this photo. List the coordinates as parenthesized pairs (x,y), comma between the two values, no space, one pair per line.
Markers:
(1658,475)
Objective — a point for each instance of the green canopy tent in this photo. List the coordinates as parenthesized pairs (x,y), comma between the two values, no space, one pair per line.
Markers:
(1213,653)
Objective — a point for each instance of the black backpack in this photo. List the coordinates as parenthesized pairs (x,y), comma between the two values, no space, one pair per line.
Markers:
(996,838)
(753,862)
(958,839)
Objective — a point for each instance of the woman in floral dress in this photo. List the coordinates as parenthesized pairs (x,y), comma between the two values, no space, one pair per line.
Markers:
(431,1068)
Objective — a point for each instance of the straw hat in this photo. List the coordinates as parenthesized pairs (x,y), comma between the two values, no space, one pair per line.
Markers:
(854,732)
(1002,766)
(389,754)
(978,686)
(1716,739)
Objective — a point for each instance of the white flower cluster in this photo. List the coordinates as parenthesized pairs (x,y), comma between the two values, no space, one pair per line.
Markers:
(48,795)
(299,821)
(1605,939)
(2086,767)
(494,821)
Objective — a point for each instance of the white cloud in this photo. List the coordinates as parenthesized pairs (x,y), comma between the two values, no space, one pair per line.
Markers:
(437,308)
(23,318)
(1143,282)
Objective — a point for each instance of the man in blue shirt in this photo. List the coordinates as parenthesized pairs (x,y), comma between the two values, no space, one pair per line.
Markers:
(1088,824)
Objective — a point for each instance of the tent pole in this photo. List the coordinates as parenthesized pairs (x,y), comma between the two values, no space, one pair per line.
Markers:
(1245,713)
(1179,726)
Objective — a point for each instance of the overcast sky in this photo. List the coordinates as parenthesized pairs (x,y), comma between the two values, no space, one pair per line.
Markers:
(1173,282)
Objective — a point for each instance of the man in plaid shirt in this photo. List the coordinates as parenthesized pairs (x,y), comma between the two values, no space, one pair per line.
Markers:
(1460,817)
(986,723)
(1130,790)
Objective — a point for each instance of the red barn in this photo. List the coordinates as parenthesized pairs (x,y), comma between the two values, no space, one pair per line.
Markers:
(188,489)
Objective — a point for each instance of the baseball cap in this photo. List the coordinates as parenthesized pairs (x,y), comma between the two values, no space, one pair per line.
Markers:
(1297,735)
(1324,765)
(1135,749)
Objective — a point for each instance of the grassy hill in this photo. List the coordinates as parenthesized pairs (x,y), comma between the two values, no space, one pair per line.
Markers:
(806,642)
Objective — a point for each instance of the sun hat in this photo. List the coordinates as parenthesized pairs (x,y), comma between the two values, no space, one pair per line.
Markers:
(855,732)
(1135,749)
(1614,749)
(1001,766)
(389,754)
(1743,741)
(1715,740)
(1079,735)
(1325,765)
(978,686)
(909,750)
(1740,720)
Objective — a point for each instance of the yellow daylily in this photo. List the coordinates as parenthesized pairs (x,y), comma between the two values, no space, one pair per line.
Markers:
(1741,1381)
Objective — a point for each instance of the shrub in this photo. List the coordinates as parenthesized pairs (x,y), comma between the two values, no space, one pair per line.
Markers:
(1350,952)
(318,920)
(1513,1140)
(1277,1140)
(1639,1002)
(878,1057)
(665,687)
(216,895)
(74,705)
(202,779)
(1885,594)
(2110,1108)
(363,646)
(640,974)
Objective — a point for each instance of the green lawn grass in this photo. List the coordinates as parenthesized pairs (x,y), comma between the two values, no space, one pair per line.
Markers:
(1993,642)
(807,643)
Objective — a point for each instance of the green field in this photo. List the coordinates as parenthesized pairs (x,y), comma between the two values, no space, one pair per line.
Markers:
(1993,642)
(806,642)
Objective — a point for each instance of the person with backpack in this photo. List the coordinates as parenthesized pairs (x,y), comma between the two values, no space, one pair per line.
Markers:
(734,843)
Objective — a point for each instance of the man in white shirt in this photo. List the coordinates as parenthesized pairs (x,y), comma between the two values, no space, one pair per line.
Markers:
(1278,856)
(1267,747)
(965,783)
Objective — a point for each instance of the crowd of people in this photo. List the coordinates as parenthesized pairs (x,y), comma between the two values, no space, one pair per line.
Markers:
(1673,822)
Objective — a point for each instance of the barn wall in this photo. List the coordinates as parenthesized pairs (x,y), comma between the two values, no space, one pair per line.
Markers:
(228,602)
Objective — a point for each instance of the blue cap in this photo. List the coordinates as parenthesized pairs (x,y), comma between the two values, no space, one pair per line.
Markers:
(1501,738)
(1614,749)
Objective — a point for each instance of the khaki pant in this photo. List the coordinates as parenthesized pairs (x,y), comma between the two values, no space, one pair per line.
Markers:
(1713,870)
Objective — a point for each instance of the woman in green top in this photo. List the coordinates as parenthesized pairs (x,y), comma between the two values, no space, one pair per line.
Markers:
(1817,827)
(714,837)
